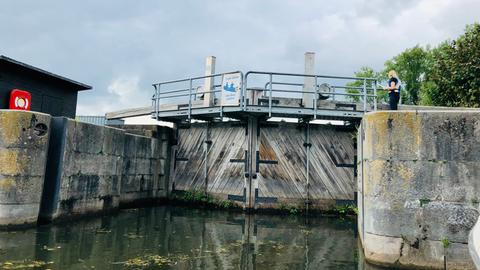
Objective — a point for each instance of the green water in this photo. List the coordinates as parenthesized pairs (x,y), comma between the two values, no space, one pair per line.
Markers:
(180,238)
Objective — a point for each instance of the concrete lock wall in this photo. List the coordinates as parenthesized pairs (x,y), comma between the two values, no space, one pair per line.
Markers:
(24,138)
(419,187)
(93,169)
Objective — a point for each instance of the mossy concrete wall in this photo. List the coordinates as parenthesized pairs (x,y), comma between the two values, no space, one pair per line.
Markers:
(24,139)
(419,187)
(92,169)
(53,168)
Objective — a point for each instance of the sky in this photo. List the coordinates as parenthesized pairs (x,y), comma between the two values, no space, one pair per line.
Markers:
(121,47)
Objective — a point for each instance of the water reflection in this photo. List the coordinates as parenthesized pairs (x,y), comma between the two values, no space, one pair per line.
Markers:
(179,238)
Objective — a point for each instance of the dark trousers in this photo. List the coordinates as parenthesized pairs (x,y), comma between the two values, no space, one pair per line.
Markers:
(393,98)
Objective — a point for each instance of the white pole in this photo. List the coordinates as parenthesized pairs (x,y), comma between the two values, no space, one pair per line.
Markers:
(208,98)
(309,82)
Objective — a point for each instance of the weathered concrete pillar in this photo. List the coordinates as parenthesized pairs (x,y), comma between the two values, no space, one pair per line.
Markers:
(24,138)
(208,98)
(253,94)
(418,187)
(309,82)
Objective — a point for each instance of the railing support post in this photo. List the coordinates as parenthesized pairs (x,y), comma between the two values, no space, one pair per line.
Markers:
(157,103)
(190,102)
(375,95)
(270,98)
(244,92)
(315,98)
(364,95)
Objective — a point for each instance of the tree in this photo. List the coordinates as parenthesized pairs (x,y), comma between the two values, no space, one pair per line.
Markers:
(352,87)
(412,66)
(455,73)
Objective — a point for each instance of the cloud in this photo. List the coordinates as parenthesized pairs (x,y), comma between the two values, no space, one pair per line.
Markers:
(125,88)
(122,92)
(99,42)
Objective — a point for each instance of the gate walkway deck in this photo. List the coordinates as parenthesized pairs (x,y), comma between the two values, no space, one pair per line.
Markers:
(260,94)
(264,94)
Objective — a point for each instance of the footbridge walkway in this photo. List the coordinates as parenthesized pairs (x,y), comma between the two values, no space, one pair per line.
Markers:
(268,94)
(237,95)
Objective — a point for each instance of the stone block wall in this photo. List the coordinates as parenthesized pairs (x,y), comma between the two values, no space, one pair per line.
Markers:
(24,139)
(419,187)
(93,169)
(144,171)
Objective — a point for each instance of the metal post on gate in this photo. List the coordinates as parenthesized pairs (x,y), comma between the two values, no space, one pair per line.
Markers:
(270,97)
(244,92)
(221,97)
(155,101)
(375,95)
(315,99)
(190,101)
(241,90)
(207,145)
(307,145)
(364,95)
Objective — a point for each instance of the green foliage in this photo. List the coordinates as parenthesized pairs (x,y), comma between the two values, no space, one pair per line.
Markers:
(364,72)
(428,92)
(447,75)
(198,197)
(456,70)
(445,242)
(194,196)
(288,208)
(226,204)
(424,202)
(412,66)
(347,209)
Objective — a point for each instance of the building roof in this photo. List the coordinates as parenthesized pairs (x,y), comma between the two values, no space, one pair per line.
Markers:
(74,85)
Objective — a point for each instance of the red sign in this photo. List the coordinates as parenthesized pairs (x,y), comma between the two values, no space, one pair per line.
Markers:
(20,100)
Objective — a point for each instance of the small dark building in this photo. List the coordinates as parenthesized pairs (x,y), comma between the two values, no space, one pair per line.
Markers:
(51,93)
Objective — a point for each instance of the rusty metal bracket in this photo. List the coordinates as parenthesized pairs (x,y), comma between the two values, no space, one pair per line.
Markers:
(263,161)
(259,199)
(176,159)
(238,198)
(244,161)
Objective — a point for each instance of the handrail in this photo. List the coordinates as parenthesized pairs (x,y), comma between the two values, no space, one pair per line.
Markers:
(335,86)
(369,85)
(199,77)
(363,89)
(309,75)
(182,92)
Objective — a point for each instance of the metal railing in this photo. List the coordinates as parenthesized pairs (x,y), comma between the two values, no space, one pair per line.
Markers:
(270,90)
(186,92)
(189,89)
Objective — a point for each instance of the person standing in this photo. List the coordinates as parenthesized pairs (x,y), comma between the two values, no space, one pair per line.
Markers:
(393,89)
